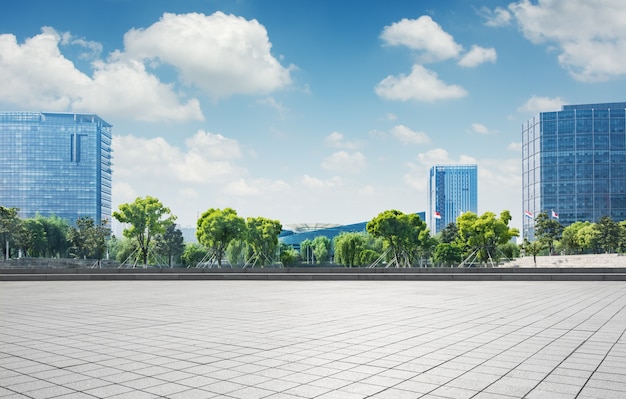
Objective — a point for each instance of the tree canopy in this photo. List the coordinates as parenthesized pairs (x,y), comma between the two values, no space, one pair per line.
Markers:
(262,238)
(448,254)
(170,243)
(404,235)
(9,225)
(348,248)
(31,238)
(147,218)
(608,234)
(481,235)
(88,239)
(216,228)
(56,235)
(547,230)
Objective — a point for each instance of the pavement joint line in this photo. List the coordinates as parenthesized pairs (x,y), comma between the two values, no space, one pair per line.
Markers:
(317,333)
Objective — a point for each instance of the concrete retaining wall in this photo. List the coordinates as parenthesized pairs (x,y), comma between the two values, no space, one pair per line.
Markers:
(447,274)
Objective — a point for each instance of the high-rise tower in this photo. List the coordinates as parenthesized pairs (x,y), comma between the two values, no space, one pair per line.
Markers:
(56,164)
(574,164)
(453,189)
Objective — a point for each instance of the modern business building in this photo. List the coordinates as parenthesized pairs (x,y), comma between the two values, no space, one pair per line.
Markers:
(453,189)
(55,164)
(574,164)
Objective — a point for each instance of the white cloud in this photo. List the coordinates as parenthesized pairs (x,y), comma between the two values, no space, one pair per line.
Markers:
(417,175)
(222,54)
(421,85)
(478,55)
(481,129)
(422,34)
(536,104)
(408,136)
(122,87)
(337,140)
(344,162)
(591,35)
(155,162)
(439,156)
(213,146)
(515,147)
(367,191)
(254,188)
(94,49)
(192,179)
(123,191)
(36,75)
(316,183)
(497,17)
(272,103)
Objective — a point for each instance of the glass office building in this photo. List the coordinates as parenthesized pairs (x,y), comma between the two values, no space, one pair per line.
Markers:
(453,189)
(55,164)
(574,164)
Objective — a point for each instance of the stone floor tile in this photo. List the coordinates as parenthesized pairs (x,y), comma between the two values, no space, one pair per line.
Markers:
(108,390)
(50,392)
(386,340)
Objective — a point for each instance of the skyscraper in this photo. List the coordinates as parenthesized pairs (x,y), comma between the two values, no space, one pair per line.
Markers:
(453,189)
(56,164)
(574,164)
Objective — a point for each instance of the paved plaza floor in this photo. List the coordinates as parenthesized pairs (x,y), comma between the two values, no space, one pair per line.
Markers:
(316,339)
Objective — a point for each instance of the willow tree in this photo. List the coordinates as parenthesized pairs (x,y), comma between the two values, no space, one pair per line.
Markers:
(147,218)
(348,247)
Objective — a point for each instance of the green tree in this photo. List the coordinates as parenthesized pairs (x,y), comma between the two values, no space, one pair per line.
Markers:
(88,239)
(262,238)
(450,233)
(236,252)
(608,234)
(533,248)
(216,228)
(369,256)
(127,251)
(114,245)
(547,230)
(56,235)
(31,238)
(9,226)
(348,247)
(589,238)
(510,250)
(171,243)
(570,241)
(193,254)
(306,251)
(482,235)
(448,254)
(288,256)
(403,234)
(622,236)
(147,218)
(321,249)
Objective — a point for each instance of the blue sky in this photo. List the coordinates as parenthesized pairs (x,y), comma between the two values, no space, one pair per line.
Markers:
(311,111)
